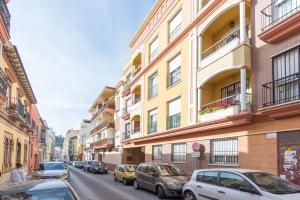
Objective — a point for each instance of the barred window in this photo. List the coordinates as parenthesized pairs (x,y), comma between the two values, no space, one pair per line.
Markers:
(157,152)
(179,152)
(224,151)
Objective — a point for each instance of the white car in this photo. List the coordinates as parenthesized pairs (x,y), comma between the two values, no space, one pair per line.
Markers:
(238,184)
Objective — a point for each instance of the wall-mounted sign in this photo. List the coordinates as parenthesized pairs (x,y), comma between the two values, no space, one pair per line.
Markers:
(271,135)
(196,154)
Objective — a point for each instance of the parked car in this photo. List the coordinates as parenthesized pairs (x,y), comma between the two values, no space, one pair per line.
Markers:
(165,179)
(38,189)
(79,164)
(125,173)
(51,170)
(237,184)
(95,166)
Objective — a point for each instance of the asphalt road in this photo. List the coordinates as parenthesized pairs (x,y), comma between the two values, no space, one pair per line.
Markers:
(103,187)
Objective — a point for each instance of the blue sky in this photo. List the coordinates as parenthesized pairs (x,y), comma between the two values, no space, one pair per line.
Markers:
(71,49)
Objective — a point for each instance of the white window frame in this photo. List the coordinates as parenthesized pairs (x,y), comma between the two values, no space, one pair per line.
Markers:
(153,49)
(176,158)
(174,32)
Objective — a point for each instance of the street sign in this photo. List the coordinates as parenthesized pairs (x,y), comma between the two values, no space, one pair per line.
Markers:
(196,147)
(196,154)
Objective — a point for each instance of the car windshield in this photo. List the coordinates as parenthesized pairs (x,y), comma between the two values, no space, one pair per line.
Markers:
(272,184)
(130,168)
(52,166)
(169,170)
(53,194)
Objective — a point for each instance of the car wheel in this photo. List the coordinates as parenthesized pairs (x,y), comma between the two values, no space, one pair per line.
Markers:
(125,182)
(188,195)
(136,185)
(161,192)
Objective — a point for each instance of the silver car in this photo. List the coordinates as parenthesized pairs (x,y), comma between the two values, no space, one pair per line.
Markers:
(52,170)
(238,184)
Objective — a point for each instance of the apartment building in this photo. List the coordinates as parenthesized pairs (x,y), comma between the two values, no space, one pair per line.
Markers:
(71,145)
(218,83)
(16,99)
(50,144)
(103,132)
(84,133)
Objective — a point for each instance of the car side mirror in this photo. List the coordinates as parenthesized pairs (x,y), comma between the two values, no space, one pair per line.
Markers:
(249,190)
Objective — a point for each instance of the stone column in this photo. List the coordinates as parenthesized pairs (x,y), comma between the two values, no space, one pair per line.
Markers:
(242,21)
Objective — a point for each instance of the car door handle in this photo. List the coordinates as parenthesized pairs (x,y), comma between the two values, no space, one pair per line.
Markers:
(199,186)
(221,191)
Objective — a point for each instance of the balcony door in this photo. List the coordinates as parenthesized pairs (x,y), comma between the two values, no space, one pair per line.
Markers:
(283,8)
(286,76)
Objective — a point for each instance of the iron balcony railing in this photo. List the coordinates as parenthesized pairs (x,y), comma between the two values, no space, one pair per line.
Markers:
(278,11)
(102,107)
(174,121)
(174,77)
(5,14)
(282,90)
(152,127)
(221,43)
(20,108)
(224,103)
(174,33)
(153,91)
(28,119)
(3,83)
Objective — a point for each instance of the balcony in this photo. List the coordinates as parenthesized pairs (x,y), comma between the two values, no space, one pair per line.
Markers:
(280,19)
(281,91)
(104,143)
(152,127)
(174,121)
(126,90)
(15,109)
(222,108)
(5,14)
(125,113)
(109,105)
(102,126)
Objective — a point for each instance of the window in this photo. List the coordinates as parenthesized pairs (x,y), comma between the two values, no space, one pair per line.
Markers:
(174,116)
(153,49)
(233,181)
(18,156)
(8,145)
(283,8)
(150,169)
(127,104)
(157,152)
(286,68)
(153,86)
(201,4)
(25,153)
(175,26)
(179,152)
(174,70)
(210,177)
(152,127)
(224,151)
(127,131)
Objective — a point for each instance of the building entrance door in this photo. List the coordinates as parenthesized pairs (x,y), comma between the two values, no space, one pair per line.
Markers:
(289,156)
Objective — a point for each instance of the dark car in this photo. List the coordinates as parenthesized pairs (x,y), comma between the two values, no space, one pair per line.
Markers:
(38,189)
(87,166)
(165,179)
(98,167)
(79,164)
(51,170)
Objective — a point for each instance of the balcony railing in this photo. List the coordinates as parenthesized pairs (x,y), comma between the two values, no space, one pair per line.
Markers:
(5,14)
(223,103)
(3,83)
(152,127)
(106,104)
(28,119)
(221,43)
(104,143)
(101,126)
(174,77)
(282,90)
(174,121)
(278,11)
(15,106)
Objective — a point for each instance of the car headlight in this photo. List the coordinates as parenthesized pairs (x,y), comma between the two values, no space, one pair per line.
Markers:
(174,186)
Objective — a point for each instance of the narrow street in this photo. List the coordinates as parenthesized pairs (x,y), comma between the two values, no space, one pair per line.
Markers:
(103,187)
